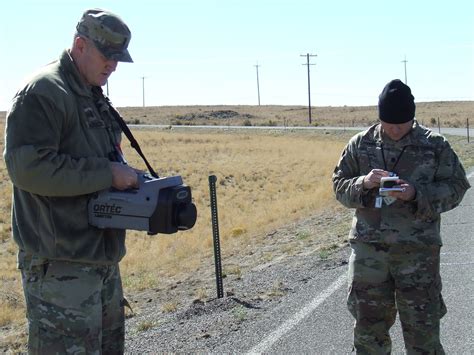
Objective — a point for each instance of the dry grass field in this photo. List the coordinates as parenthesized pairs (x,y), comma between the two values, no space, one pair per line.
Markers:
(266,180)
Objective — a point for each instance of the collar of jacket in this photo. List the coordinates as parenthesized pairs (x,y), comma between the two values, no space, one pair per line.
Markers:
(414,137)
(73,77)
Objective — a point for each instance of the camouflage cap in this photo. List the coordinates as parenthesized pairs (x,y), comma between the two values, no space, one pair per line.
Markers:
(108,32)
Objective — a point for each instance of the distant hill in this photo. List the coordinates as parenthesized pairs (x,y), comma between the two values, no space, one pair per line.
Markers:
(450,114)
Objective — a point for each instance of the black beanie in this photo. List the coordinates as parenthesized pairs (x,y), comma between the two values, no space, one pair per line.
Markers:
(396,103)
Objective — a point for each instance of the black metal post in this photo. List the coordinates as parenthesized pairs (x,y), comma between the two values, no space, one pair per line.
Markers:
(215,234)
(439,126)
(467,120)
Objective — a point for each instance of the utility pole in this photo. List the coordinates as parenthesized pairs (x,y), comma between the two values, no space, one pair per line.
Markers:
(405,64)
(107,83)
(143,90)
(307,55)
(258,85)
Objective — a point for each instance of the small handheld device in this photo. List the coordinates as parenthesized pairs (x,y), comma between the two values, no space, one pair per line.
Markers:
(388,184)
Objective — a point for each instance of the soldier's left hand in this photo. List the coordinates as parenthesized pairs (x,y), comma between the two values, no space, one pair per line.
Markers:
(408,193)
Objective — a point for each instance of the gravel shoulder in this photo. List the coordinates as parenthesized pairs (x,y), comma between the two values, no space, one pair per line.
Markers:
(203,324)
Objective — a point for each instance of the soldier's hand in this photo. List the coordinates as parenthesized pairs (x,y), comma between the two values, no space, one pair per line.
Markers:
(372,179)
(123,176)
(408,193)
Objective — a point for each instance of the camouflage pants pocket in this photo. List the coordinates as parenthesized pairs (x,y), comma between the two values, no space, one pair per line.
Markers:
(370,298)
(65,308)
(420,313)
(58,322)
(436,298)
(419,300)
(48,340)
(374,311)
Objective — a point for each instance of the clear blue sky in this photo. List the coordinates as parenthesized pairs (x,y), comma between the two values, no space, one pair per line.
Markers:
(205,52)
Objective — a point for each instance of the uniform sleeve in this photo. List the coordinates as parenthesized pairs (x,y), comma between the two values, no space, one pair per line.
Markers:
(347,181)
(34,162)
(447,189)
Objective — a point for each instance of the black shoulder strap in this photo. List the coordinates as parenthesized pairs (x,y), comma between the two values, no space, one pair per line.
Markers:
(127,132)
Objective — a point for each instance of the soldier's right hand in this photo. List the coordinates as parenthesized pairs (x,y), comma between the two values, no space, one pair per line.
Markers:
(372,179)
(123,176)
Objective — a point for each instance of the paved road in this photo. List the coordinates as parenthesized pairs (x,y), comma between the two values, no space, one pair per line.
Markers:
(452,131)
(316,321)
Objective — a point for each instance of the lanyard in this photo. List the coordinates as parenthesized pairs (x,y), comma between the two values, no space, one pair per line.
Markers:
(396,161)
(123,126)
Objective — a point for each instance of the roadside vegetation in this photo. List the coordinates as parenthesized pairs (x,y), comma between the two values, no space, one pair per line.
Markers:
(264,180)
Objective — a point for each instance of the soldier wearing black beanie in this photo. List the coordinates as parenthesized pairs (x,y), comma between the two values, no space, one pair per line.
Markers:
(395,236)
(396,103)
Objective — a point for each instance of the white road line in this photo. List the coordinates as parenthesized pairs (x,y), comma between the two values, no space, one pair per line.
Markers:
(465,263)
(298,317)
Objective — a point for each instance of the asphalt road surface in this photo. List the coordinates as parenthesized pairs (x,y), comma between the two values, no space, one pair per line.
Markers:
(316,321)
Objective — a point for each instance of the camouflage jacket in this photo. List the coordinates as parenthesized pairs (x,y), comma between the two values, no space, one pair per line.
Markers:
(57,144)
(425,159)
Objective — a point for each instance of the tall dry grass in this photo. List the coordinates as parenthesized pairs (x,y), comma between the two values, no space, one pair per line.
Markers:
(264,180)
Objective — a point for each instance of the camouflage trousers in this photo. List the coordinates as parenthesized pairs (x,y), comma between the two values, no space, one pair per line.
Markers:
(384,279)
(73,308)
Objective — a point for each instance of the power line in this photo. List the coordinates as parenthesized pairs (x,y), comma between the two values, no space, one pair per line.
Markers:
(143,90)
(405,65)
(258,84)
(307,55)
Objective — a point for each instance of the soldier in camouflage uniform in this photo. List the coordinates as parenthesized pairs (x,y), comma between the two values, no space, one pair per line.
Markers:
(62,146)
(395,239)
